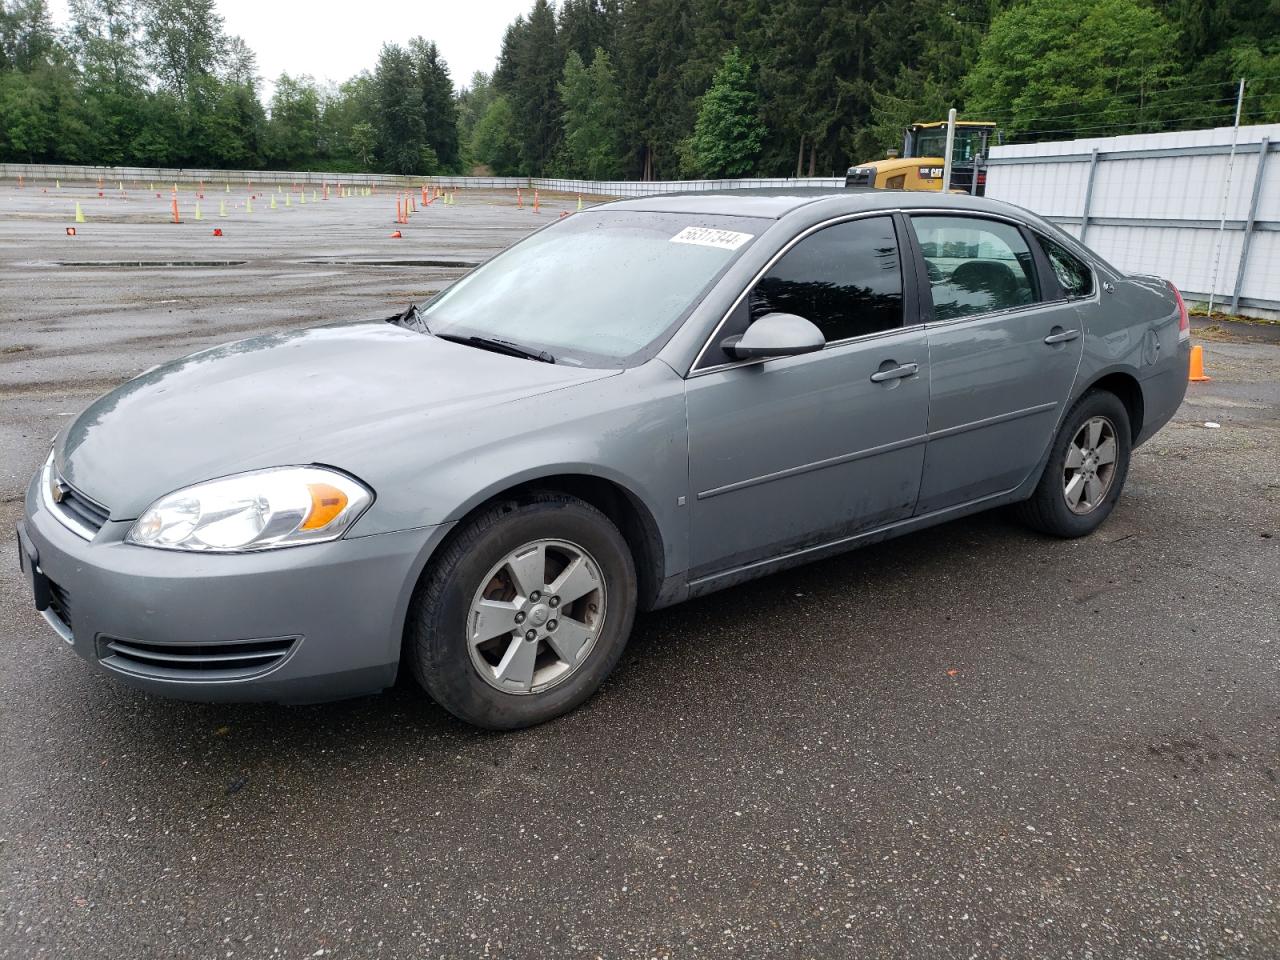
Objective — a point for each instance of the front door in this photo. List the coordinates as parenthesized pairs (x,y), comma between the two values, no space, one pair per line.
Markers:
(1002,358)
(800,451)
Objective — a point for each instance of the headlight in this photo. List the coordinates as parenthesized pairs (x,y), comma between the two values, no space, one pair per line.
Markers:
(280,507)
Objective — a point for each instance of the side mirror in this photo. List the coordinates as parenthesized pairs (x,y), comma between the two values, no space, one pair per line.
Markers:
(775,335)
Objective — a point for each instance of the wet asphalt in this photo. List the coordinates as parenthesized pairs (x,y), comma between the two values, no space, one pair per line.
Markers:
(970,742)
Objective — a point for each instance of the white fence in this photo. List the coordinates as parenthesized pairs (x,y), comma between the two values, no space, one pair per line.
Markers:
(1174,204)
(46,172)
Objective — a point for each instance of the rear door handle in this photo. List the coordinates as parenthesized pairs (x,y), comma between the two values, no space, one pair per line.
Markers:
(1062,336)
(895,373)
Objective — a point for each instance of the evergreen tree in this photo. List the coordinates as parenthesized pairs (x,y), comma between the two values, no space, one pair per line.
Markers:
(439,111)
(495,143)
(656,43)
(729,133)
(584,26)
(592,117)
(399,114)
(532,89)
(472,104)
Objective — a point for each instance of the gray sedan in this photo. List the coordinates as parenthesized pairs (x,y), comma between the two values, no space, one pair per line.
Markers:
(639,404)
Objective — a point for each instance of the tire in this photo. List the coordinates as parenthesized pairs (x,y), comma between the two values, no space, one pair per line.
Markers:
(470,588)
(1049,509)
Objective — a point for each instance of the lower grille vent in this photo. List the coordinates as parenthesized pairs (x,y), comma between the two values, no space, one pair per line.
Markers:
(60,604)
(233,660)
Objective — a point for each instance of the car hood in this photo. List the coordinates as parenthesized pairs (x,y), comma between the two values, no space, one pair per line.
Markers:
(325,395)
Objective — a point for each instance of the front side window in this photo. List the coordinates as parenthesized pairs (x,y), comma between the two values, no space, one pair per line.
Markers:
(845,279)
(1074,277)
(601,289)
(975,266)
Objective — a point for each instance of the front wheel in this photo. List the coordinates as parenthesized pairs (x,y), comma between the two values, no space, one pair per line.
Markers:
(1086,470)
(524,613)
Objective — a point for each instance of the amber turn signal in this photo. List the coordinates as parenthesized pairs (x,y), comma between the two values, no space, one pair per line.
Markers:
(326,503)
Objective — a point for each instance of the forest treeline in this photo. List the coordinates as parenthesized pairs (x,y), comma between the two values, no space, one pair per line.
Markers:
(631,88)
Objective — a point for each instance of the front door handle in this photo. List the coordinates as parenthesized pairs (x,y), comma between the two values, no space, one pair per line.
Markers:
(1062,336)
(896,373)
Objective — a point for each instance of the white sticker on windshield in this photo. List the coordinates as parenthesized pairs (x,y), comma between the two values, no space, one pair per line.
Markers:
(707,237)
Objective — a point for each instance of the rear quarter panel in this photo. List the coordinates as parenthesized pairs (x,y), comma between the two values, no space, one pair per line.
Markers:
(1132,328)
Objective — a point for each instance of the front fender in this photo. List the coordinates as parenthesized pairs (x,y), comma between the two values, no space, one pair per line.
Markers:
(629,430)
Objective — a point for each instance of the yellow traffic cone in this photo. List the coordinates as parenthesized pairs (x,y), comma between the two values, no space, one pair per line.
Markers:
(226,186)
(579,203)
(79,213)
(57,184)
(248,205)
(222,208)
(302,197)
(287,203)
(313,197)
(273,201)
(199,216)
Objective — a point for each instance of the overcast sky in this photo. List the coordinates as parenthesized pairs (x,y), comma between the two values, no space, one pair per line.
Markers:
(333,41)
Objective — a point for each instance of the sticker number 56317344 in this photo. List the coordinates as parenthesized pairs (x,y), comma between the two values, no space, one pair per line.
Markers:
(708,237)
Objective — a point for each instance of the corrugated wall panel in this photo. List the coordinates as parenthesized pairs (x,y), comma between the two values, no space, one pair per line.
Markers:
(1187,186)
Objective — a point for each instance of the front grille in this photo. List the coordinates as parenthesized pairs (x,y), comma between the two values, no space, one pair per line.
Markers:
(60,604)
(82,508)
(73,509)
(234,660)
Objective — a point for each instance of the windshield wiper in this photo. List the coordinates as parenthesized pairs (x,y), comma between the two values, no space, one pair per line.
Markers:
(495,345)
(411,319)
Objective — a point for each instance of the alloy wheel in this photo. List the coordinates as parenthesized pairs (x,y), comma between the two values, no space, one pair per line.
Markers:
(1090,466)
(536,616)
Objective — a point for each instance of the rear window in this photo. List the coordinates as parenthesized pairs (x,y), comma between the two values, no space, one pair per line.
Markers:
(1075,278)
(596,288)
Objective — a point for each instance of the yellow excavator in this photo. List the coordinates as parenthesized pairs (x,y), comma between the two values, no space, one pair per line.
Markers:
(920,166)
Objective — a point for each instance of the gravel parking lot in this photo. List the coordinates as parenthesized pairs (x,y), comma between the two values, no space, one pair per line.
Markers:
(974,741)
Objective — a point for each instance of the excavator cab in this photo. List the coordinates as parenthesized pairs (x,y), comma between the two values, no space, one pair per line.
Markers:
(920,167)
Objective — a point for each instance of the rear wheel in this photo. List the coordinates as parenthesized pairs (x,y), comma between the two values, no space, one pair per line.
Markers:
(524,613)
(1086,470)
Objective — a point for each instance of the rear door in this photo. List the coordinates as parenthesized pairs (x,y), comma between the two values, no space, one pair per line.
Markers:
(800,451)
(1004,348)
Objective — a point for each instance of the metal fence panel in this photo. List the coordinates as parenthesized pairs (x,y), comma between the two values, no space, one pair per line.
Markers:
(1155,203)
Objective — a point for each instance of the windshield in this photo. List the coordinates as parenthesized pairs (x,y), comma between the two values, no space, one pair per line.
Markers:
(597,288)
(932,142)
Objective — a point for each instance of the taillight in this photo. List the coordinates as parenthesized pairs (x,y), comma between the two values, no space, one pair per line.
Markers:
(1184,321)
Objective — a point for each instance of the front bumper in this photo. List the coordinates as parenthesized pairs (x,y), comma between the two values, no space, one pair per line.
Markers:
(300,624)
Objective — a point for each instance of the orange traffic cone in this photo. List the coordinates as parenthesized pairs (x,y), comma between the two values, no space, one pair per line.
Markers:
(397,235)
(1197,374)
(175,209)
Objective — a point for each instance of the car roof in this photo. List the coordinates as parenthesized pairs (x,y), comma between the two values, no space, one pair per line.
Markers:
(776,202)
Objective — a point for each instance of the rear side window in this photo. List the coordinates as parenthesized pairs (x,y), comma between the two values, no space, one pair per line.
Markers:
(975,266)
(1074,277)
(846,279)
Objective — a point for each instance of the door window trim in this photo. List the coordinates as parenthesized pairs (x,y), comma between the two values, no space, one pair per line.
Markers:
(909,292)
